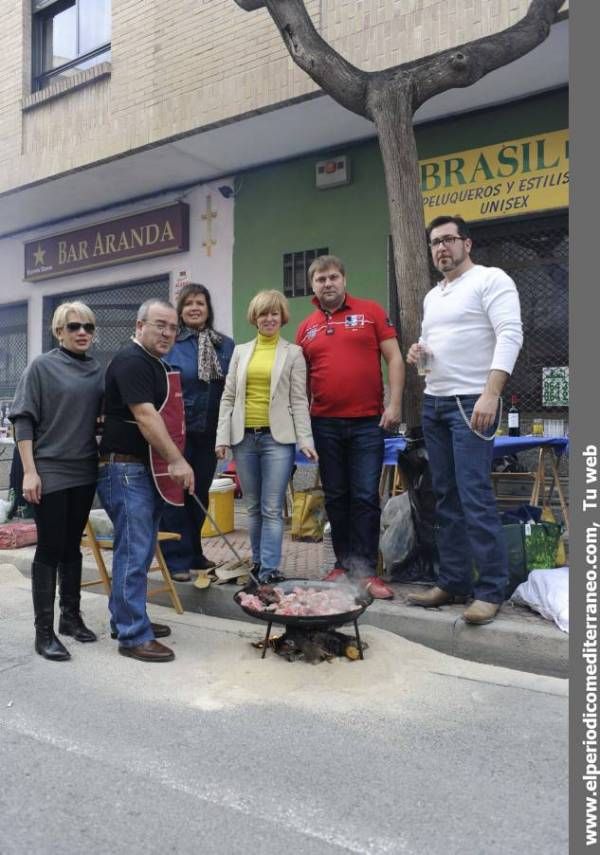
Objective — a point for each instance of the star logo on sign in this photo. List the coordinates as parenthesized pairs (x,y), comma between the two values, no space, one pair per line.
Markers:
(38,256)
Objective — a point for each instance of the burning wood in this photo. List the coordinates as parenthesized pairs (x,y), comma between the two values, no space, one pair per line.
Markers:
(315,646)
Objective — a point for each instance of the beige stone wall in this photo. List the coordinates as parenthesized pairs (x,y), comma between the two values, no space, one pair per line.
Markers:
(11,88)
(185,64)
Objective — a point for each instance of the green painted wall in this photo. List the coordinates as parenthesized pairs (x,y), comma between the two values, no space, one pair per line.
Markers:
(279,209)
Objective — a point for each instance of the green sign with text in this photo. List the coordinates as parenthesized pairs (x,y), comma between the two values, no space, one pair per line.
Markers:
(555,386)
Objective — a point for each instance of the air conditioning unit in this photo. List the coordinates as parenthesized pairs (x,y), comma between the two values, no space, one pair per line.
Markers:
(332,173)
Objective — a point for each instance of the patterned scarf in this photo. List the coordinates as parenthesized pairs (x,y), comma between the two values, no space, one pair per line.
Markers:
(209,367)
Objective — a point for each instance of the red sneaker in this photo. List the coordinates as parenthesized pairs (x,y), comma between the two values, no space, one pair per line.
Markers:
(377,588)
(334,575)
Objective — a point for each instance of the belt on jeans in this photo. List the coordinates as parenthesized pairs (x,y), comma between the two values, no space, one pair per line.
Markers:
(114,457)
(266,429)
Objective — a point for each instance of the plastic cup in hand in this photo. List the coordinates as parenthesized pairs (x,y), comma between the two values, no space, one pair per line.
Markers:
(424,358)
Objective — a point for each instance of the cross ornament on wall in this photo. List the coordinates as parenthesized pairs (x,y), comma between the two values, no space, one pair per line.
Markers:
(208,217)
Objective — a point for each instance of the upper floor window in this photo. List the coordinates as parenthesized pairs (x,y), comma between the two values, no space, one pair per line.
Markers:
(68,36)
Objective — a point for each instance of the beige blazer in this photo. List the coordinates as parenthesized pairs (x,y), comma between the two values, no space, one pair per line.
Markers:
(289,419)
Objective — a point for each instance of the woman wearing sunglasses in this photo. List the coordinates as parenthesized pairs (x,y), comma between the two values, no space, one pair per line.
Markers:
(54,413)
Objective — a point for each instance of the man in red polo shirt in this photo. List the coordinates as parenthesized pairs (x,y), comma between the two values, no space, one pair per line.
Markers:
(343,341)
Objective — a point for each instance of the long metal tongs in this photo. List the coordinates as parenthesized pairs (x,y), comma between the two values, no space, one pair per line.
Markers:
(222,534)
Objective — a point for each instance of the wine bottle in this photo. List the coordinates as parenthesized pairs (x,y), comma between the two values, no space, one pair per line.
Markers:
(514,417)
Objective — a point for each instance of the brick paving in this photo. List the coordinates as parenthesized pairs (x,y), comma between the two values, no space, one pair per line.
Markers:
(298,559)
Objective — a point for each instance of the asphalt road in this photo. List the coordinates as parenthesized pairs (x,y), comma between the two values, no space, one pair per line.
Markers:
(218,752)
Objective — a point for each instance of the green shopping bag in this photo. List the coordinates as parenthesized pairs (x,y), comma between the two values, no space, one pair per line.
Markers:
(530,546)
(541,544)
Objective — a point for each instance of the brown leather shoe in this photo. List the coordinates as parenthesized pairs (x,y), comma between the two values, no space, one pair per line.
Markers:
(433,598)
(160,630)
(150,651)
(481,612)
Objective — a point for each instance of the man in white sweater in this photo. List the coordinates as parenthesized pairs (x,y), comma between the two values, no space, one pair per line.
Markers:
(472,328)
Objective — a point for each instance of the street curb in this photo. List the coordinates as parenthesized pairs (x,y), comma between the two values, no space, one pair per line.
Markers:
(538,647)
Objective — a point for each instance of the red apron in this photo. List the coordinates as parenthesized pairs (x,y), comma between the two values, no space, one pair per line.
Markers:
(173,415)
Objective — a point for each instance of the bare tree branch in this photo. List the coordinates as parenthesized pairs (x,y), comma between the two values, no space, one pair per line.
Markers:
(454,68)
(346,83)
(462,66)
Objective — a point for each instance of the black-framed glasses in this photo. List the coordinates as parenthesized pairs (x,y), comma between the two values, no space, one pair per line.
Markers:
(445,240)
(75,326)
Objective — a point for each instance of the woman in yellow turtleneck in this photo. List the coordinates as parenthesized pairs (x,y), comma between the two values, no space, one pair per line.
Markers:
(263,416)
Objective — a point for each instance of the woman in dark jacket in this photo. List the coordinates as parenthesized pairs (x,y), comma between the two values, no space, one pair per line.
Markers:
(202,356)
(54,413)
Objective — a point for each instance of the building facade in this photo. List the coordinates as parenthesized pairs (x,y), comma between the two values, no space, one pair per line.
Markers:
(111,112)
(504,169)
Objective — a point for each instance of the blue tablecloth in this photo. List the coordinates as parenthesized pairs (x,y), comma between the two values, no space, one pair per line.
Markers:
(502,445)
(514,444)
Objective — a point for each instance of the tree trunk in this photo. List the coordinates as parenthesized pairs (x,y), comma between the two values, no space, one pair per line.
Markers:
(392,116)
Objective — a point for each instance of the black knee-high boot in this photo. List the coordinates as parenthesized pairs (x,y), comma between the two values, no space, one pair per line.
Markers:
(71,622)
(43,588)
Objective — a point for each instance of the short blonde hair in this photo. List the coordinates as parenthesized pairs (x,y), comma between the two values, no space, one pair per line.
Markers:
(61,315)
(268,301)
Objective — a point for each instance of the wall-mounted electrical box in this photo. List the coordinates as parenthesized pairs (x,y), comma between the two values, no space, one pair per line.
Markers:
(332,173)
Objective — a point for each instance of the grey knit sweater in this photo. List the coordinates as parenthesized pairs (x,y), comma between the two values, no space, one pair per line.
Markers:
(56,404)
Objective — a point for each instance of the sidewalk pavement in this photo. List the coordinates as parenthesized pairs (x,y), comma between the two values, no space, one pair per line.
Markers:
(518,638)
(223,752)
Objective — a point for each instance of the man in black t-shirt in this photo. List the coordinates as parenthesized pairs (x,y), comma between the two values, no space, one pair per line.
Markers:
(136,387)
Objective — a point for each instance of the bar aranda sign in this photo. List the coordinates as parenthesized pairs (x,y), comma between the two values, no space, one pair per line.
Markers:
(142,235)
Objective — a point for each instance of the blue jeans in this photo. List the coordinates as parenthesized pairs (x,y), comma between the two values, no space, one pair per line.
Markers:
(350,460)
(182,555)
(468,525)
(132,502)
(264,467)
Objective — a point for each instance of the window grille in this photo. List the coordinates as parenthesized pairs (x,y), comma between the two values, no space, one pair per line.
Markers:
(115,309)
(535,254)
(13,347)
(295,271)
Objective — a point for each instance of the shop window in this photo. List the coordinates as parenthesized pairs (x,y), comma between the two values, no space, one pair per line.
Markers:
(295,271)
(115,309)
(13,348)
(68,36)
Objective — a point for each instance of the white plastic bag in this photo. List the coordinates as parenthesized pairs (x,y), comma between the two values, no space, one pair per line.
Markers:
(546,592)
(4,510)
(398,532)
